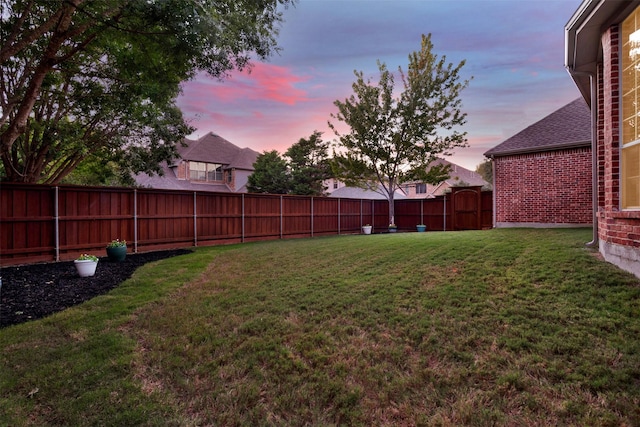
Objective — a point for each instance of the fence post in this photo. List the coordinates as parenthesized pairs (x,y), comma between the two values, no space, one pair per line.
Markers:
(373,214)
(311,216)
(422,211)
(56,225)
(339,216)
(479,217)
(135,220)
(281,220)
(242,220)
(444,210)
(195,219)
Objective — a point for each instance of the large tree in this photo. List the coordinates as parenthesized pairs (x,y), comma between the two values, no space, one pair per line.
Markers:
(393,140)
(97,172)
(270,174)
(87,78)
(309,165)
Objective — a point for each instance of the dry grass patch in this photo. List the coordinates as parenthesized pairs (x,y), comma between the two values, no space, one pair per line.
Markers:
(321,332)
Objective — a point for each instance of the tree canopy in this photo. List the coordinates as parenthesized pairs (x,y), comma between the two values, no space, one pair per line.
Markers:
(87,78)
(270,174)
(485,169)
(303,173)
(393,140)
(309,165)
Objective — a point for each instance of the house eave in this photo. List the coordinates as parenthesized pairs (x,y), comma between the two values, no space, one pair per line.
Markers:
(532,150)
(583,50)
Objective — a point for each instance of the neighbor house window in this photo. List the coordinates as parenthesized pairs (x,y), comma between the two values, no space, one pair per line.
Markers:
(214,172)
(630,153)
(197,171)
(200,171)
(421,188)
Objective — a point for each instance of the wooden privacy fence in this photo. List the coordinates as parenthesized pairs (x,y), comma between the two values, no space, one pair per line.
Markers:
(43,223)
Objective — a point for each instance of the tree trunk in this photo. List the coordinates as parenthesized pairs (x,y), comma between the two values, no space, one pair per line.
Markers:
(392,208)
(18,124)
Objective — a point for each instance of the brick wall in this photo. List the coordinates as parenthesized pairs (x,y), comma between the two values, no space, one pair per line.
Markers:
(615,227)
(230,178)
(183,170)
(548,188)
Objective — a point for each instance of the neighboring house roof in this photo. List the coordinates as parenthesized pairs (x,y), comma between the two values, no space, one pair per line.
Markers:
(459,174)
(360,193)
(212,148)
(244,159)
(567,127)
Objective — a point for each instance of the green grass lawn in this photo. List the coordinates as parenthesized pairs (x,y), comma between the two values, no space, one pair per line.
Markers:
(499,327)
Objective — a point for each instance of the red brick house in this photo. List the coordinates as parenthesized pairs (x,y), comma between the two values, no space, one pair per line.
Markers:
(210,163)
(542,175)
(602,41)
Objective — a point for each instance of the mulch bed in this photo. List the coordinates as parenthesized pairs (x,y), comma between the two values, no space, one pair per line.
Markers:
(30,292)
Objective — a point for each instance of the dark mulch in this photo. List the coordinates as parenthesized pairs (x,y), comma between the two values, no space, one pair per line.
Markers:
(34,291)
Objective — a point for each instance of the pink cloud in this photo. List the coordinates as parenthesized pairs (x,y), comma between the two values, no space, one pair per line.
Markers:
(264,82)
(276,83)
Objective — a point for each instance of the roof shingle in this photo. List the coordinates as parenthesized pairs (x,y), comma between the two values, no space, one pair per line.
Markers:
(567,127)
(213,148)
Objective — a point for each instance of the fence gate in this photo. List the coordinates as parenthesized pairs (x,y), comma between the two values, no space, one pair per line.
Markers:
(467,208)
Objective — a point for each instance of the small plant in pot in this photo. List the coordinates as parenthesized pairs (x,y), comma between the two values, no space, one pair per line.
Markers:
(86,265)
(117,250)
(366,229)
(393,228)
(421,228)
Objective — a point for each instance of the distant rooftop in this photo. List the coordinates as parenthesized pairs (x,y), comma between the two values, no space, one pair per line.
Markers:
(212,148)
(458,174)
(361,193)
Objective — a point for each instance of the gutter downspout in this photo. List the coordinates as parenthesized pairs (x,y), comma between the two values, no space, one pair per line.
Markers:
(594,161)
(594,152)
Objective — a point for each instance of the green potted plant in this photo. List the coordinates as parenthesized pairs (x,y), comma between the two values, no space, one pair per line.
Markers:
(86,265)
(421,228)
(117,250)
(366,229)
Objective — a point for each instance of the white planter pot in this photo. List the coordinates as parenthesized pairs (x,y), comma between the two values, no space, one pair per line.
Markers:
(366,229)
(86,268)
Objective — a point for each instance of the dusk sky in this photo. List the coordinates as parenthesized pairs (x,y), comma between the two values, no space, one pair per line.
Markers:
(514,49)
